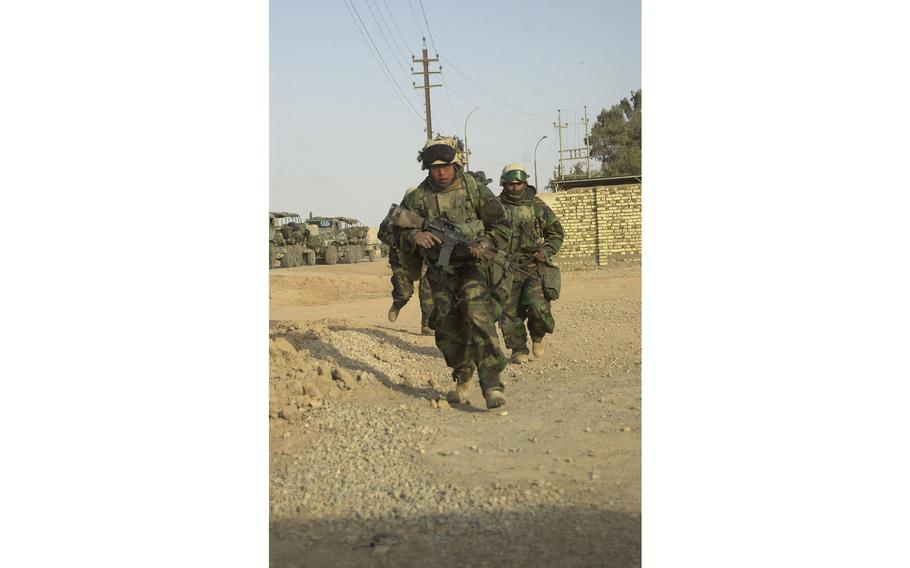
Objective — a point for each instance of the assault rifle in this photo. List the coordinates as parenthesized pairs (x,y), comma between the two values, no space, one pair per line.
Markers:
(450,236)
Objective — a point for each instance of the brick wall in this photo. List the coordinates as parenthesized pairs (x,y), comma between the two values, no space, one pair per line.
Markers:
(602,224)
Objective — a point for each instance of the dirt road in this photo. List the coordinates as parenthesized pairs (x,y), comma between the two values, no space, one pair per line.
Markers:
(368,469)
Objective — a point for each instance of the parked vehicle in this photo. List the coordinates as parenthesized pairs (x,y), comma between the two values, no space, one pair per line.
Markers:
(288,236)
(342,239)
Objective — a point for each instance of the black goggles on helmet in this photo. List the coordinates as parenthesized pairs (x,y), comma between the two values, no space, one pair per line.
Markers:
(437,153)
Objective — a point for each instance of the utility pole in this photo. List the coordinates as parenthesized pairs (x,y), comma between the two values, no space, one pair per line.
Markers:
(559,126)
(426,84)
(572,154)
(587,144)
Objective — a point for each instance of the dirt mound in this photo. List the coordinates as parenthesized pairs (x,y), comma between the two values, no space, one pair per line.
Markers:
(297,380)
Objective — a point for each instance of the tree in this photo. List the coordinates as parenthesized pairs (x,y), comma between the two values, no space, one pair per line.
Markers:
(616,137)
(578,172)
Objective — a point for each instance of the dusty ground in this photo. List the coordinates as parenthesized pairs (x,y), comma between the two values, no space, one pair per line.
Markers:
(367,469)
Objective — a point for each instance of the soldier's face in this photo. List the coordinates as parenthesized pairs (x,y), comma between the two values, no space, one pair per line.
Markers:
(516,187)
(442,174)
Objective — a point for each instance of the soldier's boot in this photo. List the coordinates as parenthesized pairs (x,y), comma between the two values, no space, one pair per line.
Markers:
(519,357)
(459,395)
(537,347)
(494,398)
(425,326)
(396,307)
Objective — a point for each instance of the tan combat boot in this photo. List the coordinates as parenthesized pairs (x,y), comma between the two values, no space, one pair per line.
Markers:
(537,348)
(393,311)
(518,357)
(459,395)
(494,399)
(425,327)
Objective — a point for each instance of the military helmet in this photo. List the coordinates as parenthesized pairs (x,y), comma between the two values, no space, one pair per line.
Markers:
(441,150)
(512,173)
(481,177)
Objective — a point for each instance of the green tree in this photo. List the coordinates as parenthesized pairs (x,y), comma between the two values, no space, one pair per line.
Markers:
(616,137)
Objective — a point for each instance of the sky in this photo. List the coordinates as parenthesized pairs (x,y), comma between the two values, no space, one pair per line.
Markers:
(345,123)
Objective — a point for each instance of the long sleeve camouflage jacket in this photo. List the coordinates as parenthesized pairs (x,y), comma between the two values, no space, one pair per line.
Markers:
(534,226)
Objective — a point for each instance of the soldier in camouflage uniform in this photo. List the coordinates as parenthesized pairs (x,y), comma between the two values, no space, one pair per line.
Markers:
(403,278)
(403,289)
(465,312)
(536,236)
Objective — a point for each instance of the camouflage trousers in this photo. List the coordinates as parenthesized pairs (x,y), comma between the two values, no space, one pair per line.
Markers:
(403,288)
(465,322)
(526,302)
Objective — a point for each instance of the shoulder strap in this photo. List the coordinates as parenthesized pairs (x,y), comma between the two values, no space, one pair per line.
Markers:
(540,210)
(470,185)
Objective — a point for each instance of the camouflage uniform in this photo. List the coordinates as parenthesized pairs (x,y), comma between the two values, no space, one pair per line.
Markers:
(465,312)
(404,276)
(403,287)
(535,228)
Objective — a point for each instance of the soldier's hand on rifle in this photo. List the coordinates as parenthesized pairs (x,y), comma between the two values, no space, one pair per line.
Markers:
(540,257)
(482,248)
(426,239)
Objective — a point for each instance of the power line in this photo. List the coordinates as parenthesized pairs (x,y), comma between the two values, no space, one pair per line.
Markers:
(397,86)
(425,60)
(436,49)
(451,110)
(488,113)
(483,152)
(432,41)
(500,119)
(420,31)
(378,56)
(448,61)
(411,6)
(403,41)
(400,65)
(495,98)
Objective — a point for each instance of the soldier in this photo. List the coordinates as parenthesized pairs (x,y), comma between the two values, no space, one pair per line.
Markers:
(403,278)
(403,289)
(536,236)
(465,312)
(481,177)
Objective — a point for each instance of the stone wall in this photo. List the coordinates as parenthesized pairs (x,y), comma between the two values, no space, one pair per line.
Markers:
(602,224)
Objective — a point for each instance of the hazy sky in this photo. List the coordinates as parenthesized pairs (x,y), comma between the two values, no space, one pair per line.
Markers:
(345,128)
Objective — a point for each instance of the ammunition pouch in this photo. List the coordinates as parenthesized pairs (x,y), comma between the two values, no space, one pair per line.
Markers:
(500,282)
(550,280)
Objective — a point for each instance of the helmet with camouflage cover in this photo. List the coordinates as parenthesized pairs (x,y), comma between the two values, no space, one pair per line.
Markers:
(481,177)
(512,173)
(441,150)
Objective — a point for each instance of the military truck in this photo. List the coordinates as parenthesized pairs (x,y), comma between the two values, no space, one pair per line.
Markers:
(343,239)
(288,236)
